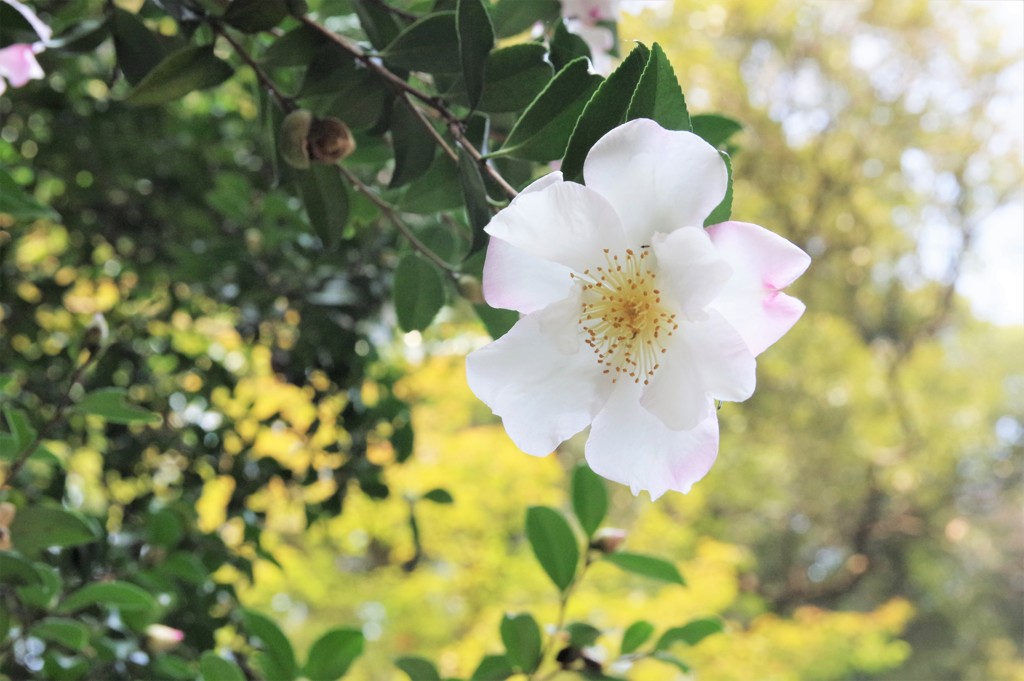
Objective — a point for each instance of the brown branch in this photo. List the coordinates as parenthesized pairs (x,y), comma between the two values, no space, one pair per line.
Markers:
(286,102)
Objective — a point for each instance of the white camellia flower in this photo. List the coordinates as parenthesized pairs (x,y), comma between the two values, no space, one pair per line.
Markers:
(635,318)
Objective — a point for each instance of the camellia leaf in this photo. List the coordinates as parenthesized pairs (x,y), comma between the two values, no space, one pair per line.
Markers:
(691,633)
(512,17)
(19,204)
(124,596)
(20,428)
(521,637)
(253,16)
(16,571)
(191,68)
(69,633)
(37,528)
(379,24)
(553,543)
(414,146)
(213,667)
(658,95)
(325,197)
(582,634)
(605,110)
(566,46)
(297,47)
(478,210)
(431,45)
(418,292)
(110,404)
(418,668)
(438,190)
(714,128)
(496,321)
(493,668)
(439,496)
(277,658)
(662,656)
(542,132)
(635,636)
(476,40)
(648,566)
(589,498)
(514,76)
(333,653)
(137,48)
(723,211)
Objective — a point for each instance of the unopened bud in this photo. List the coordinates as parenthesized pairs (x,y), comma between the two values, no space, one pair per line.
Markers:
(471,290)
(330,140)
(292,138)
(162,638)
(608,539)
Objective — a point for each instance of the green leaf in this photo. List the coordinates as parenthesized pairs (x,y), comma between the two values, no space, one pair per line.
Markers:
(582,634)
(715,129)
(418,668)
(522,640)
(514,76)
(662,656)
(123,596)
(23,432)
(648,566)
(68,633)
(276,659)
(723,211)
(213,667)
(110,404)
(254,16)
(478,209)
(476,40)
(553,543)
(137,48)
(566,46)
(431,45)
(635,636)
(691,633)
(17,571)
(333,653)
(658,95)
(589,498)
(379,24)
(168,666)
(414,146)
(37,528)
(605,110)
(297,47)
(43,594)
(512,17)
(439,496)
(418,292)
(542,132)
(496,321)
(325,197)
(19,204)
(493,668)
(439,190)
(164,528)
(333,84)
(191,68)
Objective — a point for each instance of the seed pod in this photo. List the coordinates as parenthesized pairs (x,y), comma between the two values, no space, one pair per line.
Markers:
(329,140)
(292,141)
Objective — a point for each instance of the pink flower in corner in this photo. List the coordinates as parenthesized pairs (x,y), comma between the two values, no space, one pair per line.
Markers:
(18,63)
(635,318)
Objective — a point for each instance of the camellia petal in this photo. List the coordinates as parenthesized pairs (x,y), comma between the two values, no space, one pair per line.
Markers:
(658,180)
(630,445)
(540,379)
(690,267)
(516,280)
(763,263)
(18,64)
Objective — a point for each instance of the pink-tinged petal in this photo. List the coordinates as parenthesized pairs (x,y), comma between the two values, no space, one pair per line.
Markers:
(516,280)
(704,361)
(628,444)
(540,379)
(762,263)
(18,64)
(690,270)
(658,180)
(564,222)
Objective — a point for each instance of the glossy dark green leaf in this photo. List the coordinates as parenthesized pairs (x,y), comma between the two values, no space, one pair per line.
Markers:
(566,46)
(418,668)
(325,197)
(110,403)
(213,667)
(42,594)
(297,47)
(723,211)
(542,132)
(36,528)
(522,640)
(333,653)
(553,543)
(478,209)
(476,40)
(581,634)
(414,146)
(418,292)
(439,496)
(438,190)
(496,321)
(137,48)
(67,632)
(16,570)
(658,95)
(431,45)
(514,76)
(635,636)
(589,498)
(493,668)
(691,633)
(512,17)
(714,128)
(380,25)
(191,68)
(123,596)
(276,658)
(253,16)
(648,566)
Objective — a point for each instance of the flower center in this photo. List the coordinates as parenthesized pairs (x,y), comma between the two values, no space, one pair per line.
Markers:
(622,316)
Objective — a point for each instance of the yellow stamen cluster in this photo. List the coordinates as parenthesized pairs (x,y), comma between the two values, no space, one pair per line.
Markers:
(623,318)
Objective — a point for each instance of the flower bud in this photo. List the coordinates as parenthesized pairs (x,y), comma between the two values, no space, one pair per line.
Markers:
(608,539)
(292,138)
(162,638)
(329,140)
(471,290)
